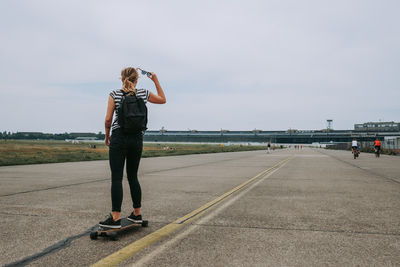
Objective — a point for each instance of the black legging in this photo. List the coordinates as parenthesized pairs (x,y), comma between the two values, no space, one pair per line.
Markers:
(129,147)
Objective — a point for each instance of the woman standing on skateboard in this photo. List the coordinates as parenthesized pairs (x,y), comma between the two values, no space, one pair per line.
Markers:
(126,146)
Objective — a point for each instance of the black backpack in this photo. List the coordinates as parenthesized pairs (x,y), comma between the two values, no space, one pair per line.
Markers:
(132,114)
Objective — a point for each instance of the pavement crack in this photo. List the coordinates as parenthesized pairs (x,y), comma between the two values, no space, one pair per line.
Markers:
(300,229)
(23,214)
(362,168)
(199,164)
(102,180)
(49,250)
(53,187)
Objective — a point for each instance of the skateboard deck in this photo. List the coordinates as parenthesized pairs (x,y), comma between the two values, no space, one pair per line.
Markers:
(112,233)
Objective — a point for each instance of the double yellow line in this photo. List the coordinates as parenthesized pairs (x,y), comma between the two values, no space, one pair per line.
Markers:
(146,241)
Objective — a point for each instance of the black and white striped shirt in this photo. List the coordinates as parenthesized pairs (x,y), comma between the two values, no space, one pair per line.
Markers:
(117,96)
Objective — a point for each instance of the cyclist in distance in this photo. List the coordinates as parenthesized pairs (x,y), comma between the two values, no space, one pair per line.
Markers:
(354,146)
(377,146)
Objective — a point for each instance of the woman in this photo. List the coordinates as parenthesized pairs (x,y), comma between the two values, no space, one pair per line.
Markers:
(126,147)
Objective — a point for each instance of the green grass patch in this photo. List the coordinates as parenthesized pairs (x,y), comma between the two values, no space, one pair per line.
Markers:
(19,152)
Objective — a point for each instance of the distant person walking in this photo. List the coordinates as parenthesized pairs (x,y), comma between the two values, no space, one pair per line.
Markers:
(126,140)
(269,147)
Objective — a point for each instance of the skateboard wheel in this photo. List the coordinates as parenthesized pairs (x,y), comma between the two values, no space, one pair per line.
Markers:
(93,235)
(113,236)
(145,223)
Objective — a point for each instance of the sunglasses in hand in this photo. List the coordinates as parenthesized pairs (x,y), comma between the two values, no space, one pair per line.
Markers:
(145,72)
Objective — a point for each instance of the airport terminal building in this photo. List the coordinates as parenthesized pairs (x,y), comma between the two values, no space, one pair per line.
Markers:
(365,132)
(390,126)
(389,132)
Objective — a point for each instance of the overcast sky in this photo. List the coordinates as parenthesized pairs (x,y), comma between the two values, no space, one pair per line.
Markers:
(237,65)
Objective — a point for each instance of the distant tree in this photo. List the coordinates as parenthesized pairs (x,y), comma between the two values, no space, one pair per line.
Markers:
(47,136)
(100,136)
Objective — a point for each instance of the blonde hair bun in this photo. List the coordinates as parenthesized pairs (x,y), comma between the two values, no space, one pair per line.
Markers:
(129,77)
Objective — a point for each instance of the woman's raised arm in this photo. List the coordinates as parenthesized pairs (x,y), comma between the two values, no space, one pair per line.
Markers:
(160,97)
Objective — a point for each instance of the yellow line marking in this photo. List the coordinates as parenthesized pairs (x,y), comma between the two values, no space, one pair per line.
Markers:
(128,251)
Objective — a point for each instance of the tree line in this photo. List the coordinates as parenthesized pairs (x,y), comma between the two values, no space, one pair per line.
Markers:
(48,136)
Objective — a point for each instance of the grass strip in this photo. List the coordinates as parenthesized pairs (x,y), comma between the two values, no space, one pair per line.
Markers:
(20,152)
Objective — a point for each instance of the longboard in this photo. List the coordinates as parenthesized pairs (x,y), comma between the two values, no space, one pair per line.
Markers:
(112,233)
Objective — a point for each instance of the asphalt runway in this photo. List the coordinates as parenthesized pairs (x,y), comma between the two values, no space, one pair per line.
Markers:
(309,207)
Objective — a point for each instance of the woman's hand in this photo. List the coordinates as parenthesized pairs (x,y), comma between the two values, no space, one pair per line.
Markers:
(107,140)
(153,77)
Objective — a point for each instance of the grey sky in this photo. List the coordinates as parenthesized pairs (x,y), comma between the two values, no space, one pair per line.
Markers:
(238,65)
